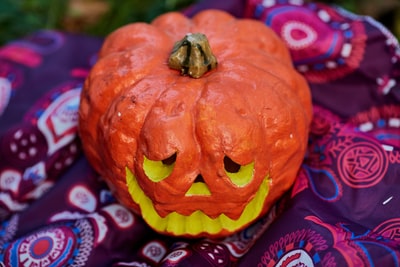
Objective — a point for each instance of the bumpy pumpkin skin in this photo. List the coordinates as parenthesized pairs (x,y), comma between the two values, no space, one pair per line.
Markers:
(254,108)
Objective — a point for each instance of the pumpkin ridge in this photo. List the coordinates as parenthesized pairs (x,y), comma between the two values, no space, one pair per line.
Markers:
(136,35)
(214,23)
(291,79)
(95,78)
(115,118)
(232,95)
(174,25)
(155,128)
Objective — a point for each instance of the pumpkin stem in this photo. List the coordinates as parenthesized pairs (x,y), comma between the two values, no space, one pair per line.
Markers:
(192,55)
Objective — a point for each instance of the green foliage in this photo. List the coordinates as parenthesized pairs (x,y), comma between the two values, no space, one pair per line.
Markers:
(20,17)
(350,5)
(123,12)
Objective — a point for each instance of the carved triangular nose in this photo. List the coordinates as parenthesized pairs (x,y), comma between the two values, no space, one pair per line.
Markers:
(198,188)
(199,179)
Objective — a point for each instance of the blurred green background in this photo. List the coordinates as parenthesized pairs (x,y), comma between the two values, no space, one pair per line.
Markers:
(100,17)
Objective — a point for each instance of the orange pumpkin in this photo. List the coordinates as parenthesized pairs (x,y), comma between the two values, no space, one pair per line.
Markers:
(203,155)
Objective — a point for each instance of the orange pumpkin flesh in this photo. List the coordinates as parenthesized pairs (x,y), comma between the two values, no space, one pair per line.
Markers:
(202,156)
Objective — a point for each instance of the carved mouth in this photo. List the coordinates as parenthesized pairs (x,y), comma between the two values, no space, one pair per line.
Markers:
(198,222)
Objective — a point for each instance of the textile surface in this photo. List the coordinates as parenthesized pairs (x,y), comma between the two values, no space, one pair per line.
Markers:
(342,211)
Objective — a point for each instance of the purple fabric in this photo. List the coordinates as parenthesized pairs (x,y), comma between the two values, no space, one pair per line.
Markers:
(342,211)
(236,7)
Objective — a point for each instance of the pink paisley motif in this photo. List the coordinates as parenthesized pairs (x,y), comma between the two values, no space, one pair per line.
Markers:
(55,114)
(303,247)
(363,164)
(389,229)
(176,256)
(324,145)
(324,183)
(359,159)
(383,123)
(300,184)
(63,158)
(363,250)
(324,43)
(320,125)
(38,108)
(324,127)
(323,121)
(385,84)
(57,245)
(21,55)
(215,254)
(5,94)
(342,242)
(8,229)
(394,157)
(240,243)
(43,42)
(23,146)
(12,74)
(154,251)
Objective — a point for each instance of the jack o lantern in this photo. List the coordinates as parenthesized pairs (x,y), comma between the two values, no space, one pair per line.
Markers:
(199,125)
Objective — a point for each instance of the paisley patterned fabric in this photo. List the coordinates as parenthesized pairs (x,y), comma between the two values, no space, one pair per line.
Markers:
(325,43)
(342,211)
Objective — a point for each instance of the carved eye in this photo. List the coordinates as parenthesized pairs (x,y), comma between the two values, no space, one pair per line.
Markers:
(158,170)
(170,160)
(239,175)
